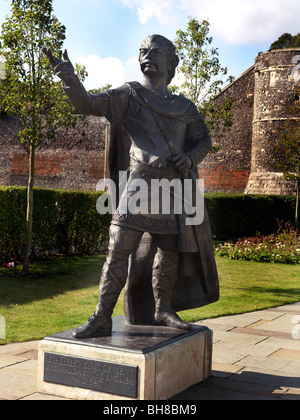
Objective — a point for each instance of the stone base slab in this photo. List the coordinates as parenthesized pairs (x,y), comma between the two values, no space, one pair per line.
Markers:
(134,363)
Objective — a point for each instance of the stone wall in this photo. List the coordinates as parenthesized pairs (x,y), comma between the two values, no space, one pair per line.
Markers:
(276,73)
(74,160)
(229,168)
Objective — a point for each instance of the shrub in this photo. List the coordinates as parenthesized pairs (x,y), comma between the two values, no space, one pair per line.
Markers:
(283,247)
(67,221)
(63,221)
(12,222)
(234,216)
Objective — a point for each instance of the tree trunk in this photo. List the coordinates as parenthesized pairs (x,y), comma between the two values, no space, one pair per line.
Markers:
(29,212)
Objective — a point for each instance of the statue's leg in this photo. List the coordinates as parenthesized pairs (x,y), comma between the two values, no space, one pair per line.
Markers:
(122,242)
(164,278)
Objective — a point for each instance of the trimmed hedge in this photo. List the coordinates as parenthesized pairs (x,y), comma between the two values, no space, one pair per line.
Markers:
(67,221)
(63,221)
(234,216)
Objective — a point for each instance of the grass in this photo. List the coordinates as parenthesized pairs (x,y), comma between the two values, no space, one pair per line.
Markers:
(247,286)
(63,293)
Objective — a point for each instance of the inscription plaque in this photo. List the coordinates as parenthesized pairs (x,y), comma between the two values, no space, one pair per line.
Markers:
(91,374)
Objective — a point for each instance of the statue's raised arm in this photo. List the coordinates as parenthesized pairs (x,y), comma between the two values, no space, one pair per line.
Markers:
(63,69)
(84,102)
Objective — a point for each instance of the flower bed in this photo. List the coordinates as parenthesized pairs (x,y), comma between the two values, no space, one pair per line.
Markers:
(283,247)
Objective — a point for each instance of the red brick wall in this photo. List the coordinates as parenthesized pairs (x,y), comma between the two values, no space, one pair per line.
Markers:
(221,179)
(59,170)
(46,164)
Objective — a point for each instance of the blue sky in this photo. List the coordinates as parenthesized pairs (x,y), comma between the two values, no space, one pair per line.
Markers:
(105,35)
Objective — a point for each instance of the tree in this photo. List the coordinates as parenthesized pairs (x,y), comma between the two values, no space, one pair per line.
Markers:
(202,73)
(286,40)
(100,89)
(29,90)
(287,149)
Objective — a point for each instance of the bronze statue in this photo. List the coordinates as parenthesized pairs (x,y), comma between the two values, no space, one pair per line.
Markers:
(166,264)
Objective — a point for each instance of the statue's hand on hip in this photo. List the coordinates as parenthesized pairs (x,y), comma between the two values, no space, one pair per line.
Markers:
(182,162)
(63,69)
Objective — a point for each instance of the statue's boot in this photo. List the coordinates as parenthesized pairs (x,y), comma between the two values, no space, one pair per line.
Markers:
(111,284)
(169,318)
(164,277)
(122,243)
(96,326)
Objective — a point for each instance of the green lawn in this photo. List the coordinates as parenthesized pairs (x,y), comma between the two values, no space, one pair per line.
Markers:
(63,293)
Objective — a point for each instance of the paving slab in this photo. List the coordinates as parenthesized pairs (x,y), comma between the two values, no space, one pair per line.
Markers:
(245,349)
(287,367)
(287,354)
(8,360)
(275,343)
(17,383)
(294,307)
(284,324)
(279,380)
(43,397)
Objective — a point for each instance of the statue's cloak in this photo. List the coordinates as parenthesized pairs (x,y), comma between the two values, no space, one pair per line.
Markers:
(198,283)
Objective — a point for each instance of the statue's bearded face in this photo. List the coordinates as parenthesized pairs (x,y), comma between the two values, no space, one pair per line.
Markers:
(154,59)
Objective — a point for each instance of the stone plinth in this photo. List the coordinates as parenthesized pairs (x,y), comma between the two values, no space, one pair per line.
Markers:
(134,363)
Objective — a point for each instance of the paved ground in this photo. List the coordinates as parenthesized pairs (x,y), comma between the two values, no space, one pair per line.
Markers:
(256,356)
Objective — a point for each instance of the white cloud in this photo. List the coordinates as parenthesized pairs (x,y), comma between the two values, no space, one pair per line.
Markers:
(110,70)
(240,22)
(237,22)
(163,10)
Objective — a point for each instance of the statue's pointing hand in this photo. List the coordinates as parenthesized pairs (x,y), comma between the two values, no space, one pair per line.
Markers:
(63,69)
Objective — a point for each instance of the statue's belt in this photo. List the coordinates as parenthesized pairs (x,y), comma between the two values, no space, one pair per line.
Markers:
(155,173)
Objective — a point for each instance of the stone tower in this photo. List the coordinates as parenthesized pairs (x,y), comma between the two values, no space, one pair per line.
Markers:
(275,75)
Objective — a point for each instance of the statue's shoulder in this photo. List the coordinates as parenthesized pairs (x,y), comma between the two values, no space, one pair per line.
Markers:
(119,98)
(186,102)
(125,89)
(120,91)
(123,92)
(191,112)
(133,85)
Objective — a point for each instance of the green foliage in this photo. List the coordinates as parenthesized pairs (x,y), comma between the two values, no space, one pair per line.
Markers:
(67,221)
(29,90)
(234,216)
(63,221)
(202,74)
(12,215)
(100,89)
(286,40)
(199,62)
(283,247)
